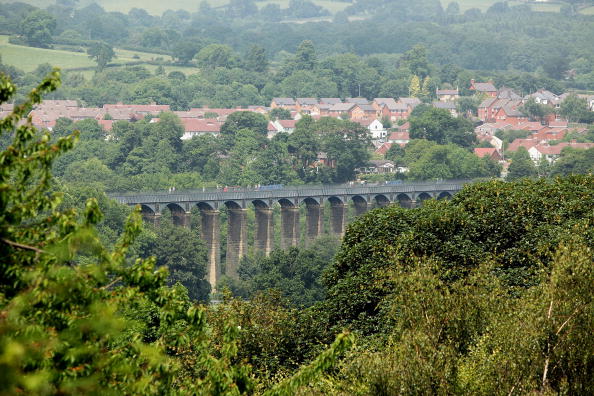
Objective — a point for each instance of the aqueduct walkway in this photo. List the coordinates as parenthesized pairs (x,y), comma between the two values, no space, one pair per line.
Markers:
(290,199)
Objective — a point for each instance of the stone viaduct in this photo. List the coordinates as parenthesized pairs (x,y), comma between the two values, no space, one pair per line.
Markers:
(290,199)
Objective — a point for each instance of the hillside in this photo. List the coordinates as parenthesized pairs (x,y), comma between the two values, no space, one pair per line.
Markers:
(29,58)
(155,7)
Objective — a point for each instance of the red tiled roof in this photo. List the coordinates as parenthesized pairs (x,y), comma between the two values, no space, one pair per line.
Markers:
(106,124)
(526,143)
(394,136)
(383,149)
(201,125)
(484,151)
(287,123)
(152,108)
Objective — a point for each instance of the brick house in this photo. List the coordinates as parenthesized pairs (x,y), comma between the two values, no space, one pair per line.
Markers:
(200,126)
(490,152)
(447,95)
(305,105)
(486,88)
(284,103)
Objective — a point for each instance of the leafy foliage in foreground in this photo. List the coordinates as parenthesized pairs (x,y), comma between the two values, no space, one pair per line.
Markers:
(102,326)
(516,225)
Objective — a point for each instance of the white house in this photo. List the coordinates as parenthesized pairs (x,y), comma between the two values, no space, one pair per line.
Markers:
(377,130)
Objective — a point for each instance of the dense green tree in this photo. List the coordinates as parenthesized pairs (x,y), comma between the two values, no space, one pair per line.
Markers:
(183,252)
(521,165)
(574,109)
(574,161)
(477,226)
(415,60)
(244,120)
(102,53)
(535,111)
(217,55)
(305,57)
(184,51)
(273,165)
(440,126)
(256,60)
(279,113)
(450,162)
(296,272)
(38,27)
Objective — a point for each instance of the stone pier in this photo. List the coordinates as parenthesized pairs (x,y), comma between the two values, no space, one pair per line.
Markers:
(236,240)
(314,220)
(211,234)
(361,207)
(264,238)
(337,217)
(289,226)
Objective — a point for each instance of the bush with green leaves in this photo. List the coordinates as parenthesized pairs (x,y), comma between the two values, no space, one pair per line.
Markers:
(517,225)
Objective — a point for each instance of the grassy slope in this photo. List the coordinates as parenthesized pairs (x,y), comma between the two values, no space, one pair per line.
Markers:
(28,58)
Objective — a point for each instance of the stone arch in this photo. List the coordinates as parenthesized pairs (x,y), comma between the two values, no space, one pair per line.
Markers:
(404,200)
(205,206)
(233,205)
(360,204)
(177,214)
(444,195)
(146,210)
(381,200)
(423,197)
(260,204)
(309,202)
(335,201)
(287,203)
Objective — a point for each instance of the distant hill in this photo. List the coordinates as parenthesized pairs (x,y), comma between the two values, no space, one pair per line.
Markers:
(157,7)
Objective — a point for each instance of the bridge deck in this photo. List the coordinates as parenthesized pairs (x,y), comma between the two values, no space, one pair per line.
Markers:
(288,192)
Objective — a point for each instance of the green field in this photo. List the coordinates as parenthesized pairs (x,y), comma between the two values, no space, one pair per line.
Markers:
(588,11)
(28,58)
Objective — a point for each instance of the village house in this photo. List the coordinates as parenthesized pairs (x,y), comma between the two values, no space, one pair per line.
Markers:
(483,88)
(492,140)
(377,167)
(517,143)
(383,148)
(363,112)
(507,93)
(359,101)
(401,138)
(542,96)
(152,109)
(447,95)
(305,105)
(491,128)
(501,110)
(321,109)
(491,153)
(552,153)
(330,101)
(200,126)
(375,127)
(449,106)
(285,126)
(390,109)
(284,103)
(339,109)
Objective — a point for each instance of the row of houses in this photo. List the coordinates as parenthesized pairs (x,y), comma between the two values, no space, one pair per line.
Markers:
(353,108)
